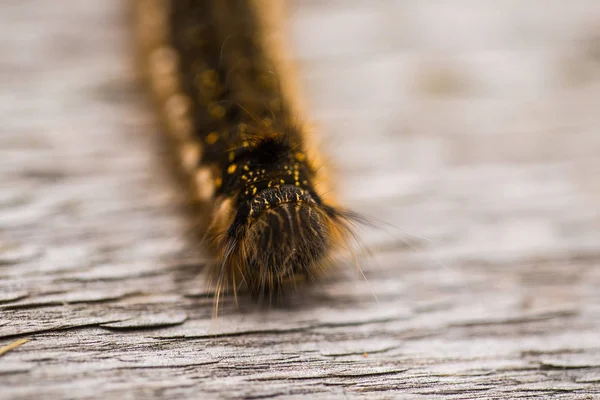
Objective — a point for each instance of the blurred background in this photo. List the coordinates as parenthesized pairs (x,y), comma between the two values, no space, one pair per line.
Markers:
(477,121)
(471,127)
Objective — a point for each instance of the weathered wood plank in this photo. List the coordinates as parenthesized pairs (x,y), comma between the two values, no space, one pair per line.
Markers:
(475,127)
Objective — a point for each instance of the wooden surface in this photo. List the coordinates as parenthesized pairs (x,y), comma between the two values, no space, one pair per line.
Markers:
(474,127)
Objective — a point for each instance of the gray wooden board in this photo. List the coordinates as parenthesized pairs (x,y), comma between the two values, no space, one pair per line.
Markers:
(474,129)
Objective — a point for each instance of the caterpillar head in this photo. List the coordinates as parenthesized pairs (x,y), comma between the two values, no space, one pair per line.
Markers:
(282,236)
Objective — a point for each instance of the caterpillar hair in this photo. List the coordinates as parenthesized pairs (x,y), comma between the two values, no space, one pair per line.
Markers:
(223,83)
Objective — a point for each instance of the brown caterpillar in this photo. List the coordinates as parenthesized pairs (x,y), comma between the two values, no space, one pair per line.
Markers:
(225,91)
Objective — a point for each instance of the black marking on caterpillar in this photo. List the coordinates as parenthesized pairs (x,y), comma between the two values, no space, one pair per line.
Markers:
(239,142)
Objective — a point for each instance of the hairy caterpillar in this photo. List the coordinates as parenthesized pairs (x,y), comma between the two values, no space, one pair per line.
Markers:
(225,91)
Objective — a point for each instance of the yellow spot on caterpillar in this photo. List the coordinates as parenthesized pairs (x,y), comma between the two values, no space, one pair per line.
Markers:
(246,168)
(212,138)
(300,156)
(205,188)
(231,156)
(281,181)
(218,182)
(231,169)
(254,190)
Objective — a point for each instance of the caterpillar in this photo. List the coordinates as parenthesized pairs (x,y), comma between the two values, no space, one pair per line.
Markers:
(224,86)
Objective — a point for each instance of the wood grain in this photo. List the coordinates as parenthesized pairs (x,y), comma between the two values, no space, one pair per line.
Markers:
(473,129)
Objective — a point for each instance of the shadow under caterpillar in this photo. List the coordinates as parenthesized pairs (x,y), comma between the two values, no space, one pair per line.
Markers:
(225,90)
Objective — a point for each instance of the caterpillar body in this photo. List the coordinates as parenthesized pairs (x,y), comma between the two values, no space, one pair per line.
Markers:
(224,87)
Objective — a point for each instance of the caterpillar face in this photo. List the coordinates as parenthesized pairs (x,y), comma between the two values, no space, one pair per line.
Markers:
(285,238)
(236,130)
